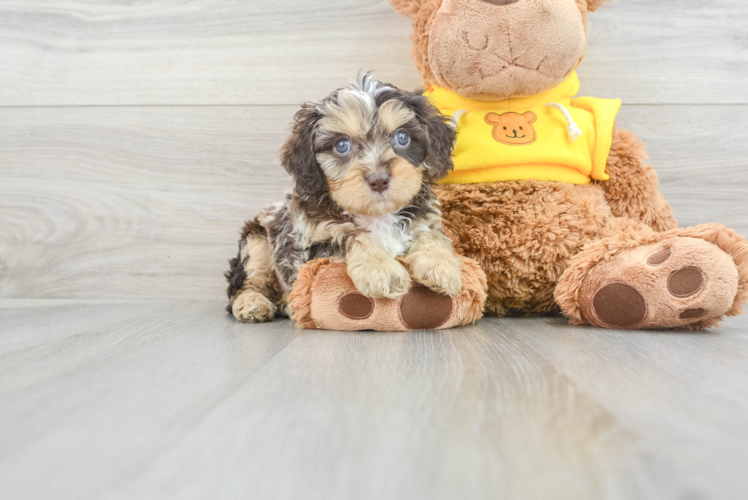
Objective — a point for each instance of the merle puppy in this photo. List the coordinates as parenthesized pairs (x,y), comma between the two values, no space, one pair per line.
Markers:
(363,161)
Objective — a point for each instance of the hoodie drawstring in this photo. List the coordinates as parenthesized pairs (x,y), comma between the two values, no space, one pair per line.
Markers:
(573,130)
(456,118)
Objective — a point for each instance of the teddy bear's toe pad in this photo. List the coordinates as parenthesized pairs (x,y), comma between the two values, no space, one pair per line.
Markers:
(423,309)
(618,304)
(356,306)
(685,282)
(669,284)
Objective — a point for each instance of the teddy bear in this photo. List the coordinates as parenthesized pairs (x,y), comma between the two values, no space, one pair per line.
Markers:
(555,202)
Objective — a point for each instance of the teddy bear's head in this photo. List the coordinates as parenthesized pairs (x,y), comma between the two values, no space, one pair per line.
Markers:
(497,49)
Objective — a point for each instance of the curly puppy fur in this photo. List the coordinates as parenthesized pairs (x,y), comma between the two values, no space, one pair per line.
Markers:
(363,162)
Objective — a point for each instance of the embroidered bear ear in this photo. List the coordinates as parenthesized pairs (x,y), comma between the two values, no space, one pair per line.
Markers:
(493,119)
(530,117)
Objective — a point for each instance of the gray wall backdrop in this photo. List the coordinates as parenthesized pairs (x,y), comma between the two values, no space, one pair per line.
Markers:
(135,137)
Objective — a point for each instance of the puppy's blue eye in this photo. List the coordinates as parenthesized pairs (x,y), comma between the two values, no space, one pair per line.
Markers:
(343,146)
(402,139)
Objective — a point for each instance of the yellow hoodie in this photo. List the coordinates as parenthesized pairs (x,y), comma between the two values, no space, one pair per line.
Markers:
(551,136)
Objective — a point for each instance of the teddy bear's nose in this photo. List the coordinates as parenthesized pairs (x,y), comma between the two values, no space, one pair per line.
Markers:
(501,2)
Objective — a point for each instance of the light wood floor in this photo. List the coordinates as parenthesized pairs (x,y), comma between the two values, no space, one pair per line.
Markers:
(177,400)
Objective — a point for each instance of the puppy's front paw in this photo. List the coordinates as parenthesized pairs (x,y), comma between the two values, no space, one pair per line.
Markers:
(252,307)
(440,272)
(386,278)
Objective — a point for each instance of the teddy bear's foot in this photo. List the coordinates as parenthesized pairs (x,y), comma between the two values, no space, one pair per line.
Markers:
(324,297)
(419,309)
(686,278)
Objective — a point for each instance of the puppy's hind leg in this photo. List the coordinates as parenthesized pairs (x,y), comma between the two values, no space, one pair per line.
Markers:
(253,297)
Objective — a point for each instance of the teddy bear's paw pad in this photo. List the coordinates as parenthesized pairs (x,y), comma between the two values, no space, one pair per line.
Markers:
(424,309)
(692,314)
(685,282)
(659,257)
(674,283)
(356,306)
(620,305)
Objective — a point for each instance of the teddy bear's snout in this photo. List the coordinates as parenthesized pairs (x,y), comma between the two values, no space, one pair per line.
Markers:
(496,49)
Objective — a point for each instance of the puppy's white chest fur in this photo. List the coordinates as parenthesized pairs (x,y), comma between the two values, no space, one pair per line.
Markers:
(394,236)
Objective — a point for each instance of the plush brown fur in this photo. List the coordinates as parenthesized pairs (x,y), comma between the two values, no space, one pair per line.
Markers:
(526,234)
(479,49)
(301,295)
(540,242)
(523,234)
(476,43)
(633,188)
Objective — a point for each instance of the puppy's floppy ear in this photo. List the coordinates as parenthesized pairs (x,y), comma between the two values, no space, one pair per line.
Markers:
(406,7)
(441,134)
(298,156)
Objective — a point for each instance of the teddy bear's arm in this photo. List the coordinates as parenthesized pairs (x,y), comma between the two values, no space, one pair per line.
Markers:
(633,188)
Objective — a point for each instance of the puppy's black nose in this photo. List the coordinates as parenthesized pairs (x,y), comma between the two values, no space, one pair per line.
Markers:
(379,182)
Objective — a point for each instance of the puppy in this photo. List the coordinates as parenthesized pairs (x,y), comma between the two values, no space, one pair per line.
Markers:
(363,161)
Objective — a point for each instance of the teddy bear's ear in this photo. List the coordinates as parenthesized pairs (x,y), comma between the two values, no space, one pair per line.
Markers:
(593,5)
(407,7)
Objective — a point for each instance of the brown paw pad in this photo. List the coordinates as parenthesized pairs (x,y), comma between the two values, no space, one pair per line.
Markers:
(356,306)
(619,305)
(692,314)
(423,309)
(685,282)
(660,257)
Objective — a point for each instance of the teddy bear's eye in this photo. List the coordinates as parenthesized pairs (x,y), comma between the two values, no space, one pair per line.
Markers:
(504,128)
(520,128)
